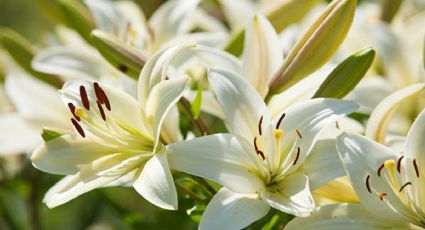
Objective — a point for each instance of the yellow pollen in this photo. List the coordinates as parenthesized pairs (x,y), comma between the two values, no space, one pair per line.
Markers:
(278,133)
(389,164)
(81,113)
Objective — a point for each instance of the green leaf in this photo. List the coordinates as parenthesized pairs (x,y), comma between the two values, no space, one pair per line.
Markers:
(197,102)
(123,57)
(78,17)
(389,9)
(22,53)
(281,14)
(317,45)
(196,212)
(346,75)
(48,134)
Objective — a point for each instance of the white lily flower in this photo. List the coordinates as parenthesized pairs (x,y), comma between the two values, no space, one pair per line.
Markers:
(117,136)
(264,162)
(389,183)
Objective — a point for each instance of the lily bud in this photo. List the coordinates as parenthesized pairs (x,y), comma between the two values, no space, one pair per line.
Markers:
(78,17)
(22,53)
(124,57)
(317,45)
(281,14)
(346,75)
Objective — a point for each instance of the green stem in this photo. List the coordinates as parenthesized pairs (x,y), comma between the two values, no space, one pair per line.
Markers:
(200,125)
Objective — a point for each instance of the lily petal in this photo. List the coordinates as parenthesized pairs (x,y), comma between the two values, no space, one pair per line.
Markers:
(344,216)
(156,183)
(262,54)
(222,158)
(377,125)
(107,16)
(322,164)
(291,195)
(415,144)
(213,58)
(163,96)
(17,136)
(229,210)
(246,113)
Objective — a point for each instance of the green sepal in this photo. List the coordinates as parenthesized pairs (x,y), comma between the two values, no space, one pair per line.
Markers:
(48,134)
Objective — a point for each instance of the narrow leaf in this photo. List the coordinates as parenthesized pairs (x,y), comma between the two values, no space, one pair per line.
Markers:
(346,75)
(78,17)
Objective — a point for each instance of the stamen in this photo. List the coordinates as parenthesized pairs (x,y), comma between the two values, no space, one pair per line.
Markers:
(102,113)
(298,155)
(280,120)
(337,124)
(399,164)
(406,184)
(101,95)
(382,195)
(416,168)
(299,133)
(72,109)
(380,169)
(259,126)
(78,127)
(84,98)
(368,184)
(259,152)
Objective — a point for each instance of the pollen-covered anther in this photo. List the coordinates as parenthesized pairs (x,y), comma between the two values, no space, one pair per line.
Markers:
(382,195)
(72,110)
(101,96)
(299,133)
(259,126)
(84,98)
(78,127)
(404,186)
(399,164)
(257,150)
(297,156)
(280,120)
(368,184)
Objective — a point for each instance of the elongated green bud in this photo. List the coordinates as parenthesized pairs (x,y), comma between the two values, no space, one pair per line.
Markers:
(22,53)
(281,14)
(317,45)
(123,57)
(346,75)
(78,17)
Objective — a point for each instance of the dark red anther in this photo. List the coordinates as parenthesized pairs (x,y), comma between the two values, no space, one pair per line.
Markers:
(259,126)
(297,156)
(280,120)
(84,98)
(399,164)
(404,186)
(416,168)
(380,169)
(72,109)
(78,127)
(102,113)
(368,184)
(299,133)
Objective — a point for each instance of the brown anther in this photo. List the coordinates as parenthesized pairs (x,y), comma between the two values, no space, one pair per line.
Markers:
(280,120)
(405,185)
(84,98)
(78,127)
(258,151)
(337,124)
(123,68)
(72,109)
(102,113)
(259,126)
(382,195)
(101,95)
(299,133)
(380,169)
(368,184)
(416,168)
(399,164)
(297,156)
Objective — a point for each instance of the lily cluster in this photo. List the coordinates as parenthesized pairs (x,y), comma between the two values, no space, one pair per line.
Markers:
(267,111)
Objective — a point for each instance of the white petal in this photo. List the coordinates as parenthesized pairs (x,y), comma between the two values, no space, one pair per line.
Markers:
(67,155)
(156,183)
(222,158)
(70,62)
(361,159)
(322,164)
(291,195)
(170,130)
(163,96)
(156,68)
(309,118)
(341,125)
(245,9)
(243,107)
(344,216)
(262,54)
(335,191)
(213,58)
(36,101)
(415,140)
(17,136)
(377,124)
(229,210)
(107,16)
(208,39)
